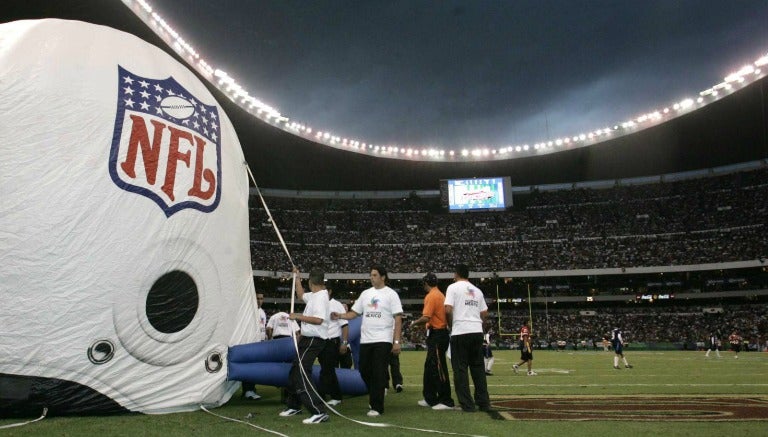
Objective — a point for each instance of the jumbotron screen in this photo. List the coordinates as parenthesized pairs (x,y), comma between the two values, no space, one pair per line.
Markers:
(479,194)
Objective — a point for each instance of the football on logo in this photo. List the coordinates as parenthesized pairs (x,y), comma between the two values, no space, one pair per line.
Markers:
(166,144)
(374,303)
(177,107)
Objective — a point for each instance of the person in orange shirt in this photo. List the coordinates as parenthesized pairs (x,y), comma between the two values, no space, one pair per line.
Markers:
(437,384)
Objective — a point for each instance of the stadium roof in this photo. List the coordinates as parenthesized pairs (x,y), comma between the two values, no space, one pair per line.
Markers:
(729,131)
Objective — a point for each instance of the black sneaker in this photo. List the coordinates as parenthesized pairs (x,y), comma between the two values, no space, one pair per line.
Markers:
(617,367)
(628,366)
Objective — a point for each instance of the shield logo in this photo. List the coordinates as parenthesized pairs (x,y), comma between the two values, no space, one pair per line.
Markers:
(166,144)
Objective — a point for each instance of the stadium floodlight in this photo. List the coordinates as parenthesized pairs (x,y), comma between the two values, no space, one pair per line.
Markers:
(145,5)
(743,71)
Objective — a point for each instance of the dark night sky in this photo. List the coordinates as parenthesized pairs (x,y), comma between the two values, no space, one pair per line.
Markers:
(465,73)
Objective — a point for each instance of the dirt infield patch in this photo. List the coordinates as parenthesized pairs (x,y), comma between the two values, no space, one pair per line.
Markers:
(634,408)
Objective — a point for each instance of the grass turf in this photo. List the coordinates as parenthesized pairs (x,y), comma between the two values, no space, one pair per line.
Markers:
(559,373)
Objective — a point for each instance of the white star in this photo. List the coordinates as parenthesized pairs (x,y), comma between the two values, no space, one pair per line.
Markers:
(213,114)
(170,92)
(185,122)
(205,130)
(158,88)
(159,97)
(128,90)
(158,110)
(205,120)
(144,106)
(196,125)
(128,79)
(213,123)
(144,94)
(129,102)
(144,83)
(214,136)
(193,102)
(202,108)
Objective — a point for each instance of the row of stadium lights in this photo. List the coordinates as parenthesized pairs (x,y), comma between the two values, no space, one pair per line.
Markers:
(742,77)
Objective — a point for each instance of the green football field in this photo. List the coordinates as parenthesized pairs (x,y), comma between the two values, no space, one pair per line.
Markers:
(567,376)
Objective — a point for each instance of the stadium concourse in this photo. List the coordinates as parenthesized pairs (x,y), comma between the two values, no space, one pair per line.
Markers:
(677,259)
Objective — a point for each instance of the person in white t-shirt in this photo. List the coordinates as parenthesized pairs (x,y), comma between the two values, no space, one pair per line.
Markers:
(314,334)
(379,334)
(249,388)
(280,325)
(338,341)
(466,311)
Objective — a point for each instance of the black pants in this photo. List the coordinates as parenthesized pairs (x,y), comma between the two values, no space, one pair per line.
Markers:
(345,360)
(394,371)
(374,358)
(437,382)
(467,353)
(329,360)
(301,390)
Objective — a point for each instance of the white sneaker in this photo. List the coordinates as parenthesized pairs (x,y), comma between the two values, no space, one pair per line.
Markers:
(289,412)
(532,373)
(423,403)
(250,394)
(441,407)
(373,413)
(386,391)
(316,418)
(515,367)
(334,402)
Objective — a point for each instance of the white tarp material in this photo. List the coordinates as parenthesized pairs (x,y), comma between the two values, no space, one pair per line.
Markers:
(124,261)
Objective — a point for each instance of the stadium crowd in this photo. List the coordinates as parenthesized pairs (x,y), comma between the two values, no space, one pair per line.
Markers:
(676,324)
(714,219)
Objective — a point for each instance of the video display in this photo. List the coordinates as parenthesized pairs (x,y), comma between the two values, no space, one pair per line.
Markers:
(478,194)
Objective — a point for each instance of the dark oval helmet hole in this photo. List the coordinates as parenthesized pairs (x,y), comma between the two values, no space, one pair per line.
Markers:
(172,302)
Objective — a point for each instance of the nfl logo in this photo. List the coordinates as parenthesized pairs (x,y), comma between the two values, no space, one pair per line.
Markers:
(166,144)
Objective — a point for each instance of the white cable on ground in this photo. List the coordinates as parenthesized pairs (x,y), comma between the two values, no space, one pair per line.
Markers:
(14,425)
(241,421)
(293,334)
